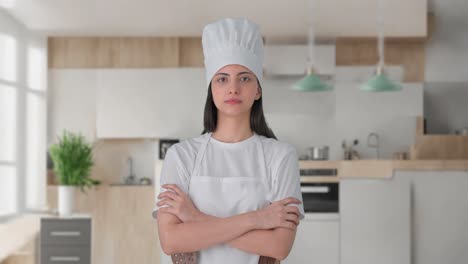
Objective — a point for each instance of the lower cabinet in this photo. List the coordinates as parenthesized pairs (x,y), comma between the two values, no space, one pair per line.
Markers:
(375,221)
(65,240)
(317,241)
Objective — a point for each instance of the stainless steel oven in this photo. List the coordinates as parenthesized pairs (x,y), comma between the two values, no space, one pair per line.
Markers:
(320,197)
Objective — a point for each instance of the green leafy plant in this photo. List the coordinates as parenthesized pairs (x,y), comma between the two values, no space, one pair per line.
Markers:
(73,159)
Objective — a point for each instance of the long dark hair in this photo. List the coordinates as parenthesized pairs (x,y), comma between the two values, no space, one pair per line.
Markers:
(257,120)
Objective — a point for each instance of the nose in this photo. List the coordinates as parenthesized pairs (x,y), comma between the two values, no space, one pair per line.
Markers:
(234,87)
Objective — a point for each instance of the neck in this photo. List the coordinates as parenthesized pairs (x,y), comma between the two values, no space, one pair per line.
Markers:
(231,129)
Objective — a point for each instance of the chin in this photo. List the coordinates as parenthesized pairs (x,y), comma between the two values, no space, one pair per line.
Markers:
(233,112)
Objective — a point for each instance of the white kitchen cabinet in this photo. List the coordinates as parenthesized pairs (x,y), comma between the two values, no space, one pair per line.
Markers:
(72,102)
(317,241)
(150,103)
(439,216)
(375,221)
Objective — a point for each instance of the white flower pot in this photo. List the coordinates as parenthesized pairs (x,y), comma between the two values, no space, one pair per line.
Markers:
(66,195)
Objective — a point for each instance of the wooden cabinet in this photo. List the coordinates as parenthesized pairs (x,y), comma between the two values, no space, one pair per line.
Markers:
(317,241)
(123,230)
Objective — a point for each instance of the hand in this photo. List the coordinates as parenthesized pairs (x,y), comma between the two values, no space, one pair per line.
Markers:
(279,214)
(179,203)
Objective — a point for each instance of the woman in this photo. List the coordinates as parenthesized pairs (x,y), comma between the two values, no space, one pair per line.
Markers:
(233,193)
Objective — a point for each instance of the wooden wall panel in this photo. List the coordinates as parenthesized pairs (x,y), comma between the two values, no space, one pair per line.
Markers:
(72,52)
(410,53)
(437,147)
(159,52)
(113,52)
(191,52)
(443,147)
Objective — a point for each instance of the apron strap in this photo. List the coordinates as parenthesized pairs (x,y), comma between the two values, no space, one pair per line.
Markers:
(200,154)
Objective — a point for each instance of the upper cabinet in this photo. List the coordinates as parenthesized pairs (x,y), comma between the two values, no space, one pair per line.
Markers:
(150,103)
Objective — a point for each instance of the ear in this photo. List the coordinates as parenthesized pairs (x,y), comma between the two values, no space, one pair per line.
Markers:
(259,93)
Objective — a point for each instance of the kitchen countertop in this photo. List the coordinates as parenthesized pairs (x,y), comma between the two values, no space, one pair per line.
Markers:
(376,168)
(322,216)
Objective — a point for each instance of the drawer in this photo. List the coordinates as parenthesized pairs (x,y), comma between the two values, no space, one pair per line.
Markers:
(65,254)
(66,231)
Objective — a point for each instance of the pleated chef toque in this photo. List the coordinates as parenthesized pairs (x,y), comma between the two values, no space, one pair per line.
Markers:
(232,41)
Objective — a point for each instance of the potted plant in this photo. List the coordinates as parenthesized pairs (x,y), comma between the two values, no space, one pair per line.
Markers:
(73,160)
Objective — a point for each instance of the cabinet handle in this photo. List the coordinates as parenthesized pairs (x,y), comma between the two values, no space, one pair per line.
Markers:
(315,189)
(64,258)
(65,233)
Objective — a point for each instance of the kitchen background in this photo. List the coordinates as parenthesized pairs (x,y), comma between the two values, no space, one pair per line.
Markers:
(127,91)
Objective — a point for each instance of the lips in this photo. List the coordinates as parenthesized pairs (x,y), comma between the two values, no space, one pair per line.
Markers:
(233,101)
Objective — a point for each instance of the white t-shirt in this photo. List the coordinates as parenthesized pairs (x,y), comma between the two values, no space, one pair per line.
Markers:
(223,159)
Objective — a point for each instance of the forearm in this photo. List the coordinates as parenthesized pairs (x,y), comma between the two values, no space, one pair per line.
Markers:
(195,236)
(261,242)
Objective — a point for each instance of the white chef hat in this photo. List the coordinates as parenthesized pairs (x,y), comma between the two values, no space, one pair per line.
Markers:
(232,41)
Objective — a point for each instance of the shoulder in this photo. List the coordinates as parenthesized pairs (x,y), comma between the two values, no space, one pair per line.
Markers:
(185,151)
(276,151)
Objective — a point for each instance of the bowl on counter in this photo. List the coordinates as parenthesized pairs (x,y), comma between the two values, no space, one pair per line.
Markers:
(318,153)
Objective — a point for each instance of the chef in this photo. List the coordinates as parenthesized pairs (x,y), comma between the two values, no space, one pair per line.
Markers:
(231,194)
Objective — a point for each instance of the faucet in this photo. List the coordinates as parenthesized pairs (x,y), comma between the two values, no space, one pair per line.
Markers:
(375,145)
(131,177)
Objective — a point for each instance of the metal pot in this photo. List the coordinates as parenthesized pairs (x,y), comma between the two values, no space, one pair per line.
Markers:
(318,153)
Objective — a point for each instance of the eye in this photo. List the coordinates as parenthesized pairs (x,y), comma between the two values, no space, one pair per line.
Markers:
(222,79)
(245,78)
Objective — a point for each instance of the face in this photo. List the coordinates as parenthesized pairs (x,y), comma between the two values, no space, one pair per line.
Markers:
(234,89)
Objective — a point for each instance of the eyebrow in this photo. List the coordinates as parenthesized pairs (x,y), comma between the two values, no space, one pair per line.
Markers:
(223,73)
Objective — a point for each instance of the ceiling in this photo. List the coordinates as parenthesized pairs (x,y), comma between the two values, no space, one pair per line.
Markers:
(332,18)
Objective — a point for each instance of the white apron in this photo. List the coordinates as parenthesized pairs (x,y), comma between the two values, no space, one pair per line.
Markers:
(227,196)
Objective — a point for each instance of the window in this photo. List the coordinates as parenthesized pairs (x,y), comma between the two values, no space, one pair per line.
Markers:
(23,98)
(8,126)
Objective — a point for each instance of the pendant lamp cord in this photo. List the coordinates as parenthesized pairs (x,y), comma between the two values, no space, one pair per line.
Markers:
(380,21)
(311,38)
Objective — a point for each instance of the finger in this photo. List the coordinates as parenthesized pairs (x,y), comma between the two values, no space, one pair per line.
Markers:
(169,202)
(292,218)
(170,195)
(163,199)
(174,187)
(289,200)
(292,210)
(166,210)
(167,191)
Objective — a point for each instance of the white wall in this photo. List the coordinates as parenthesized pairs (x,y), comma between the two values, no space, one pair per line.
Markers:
(302,119)
(311,119)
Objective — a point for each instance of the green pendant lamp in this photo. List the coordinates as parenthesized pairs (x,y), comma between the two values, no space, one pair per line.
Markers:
(311,82)
(379,82)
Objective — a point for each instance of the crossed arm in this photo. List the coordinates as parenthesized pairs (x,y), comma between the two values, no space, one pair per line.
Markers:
(244,231)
